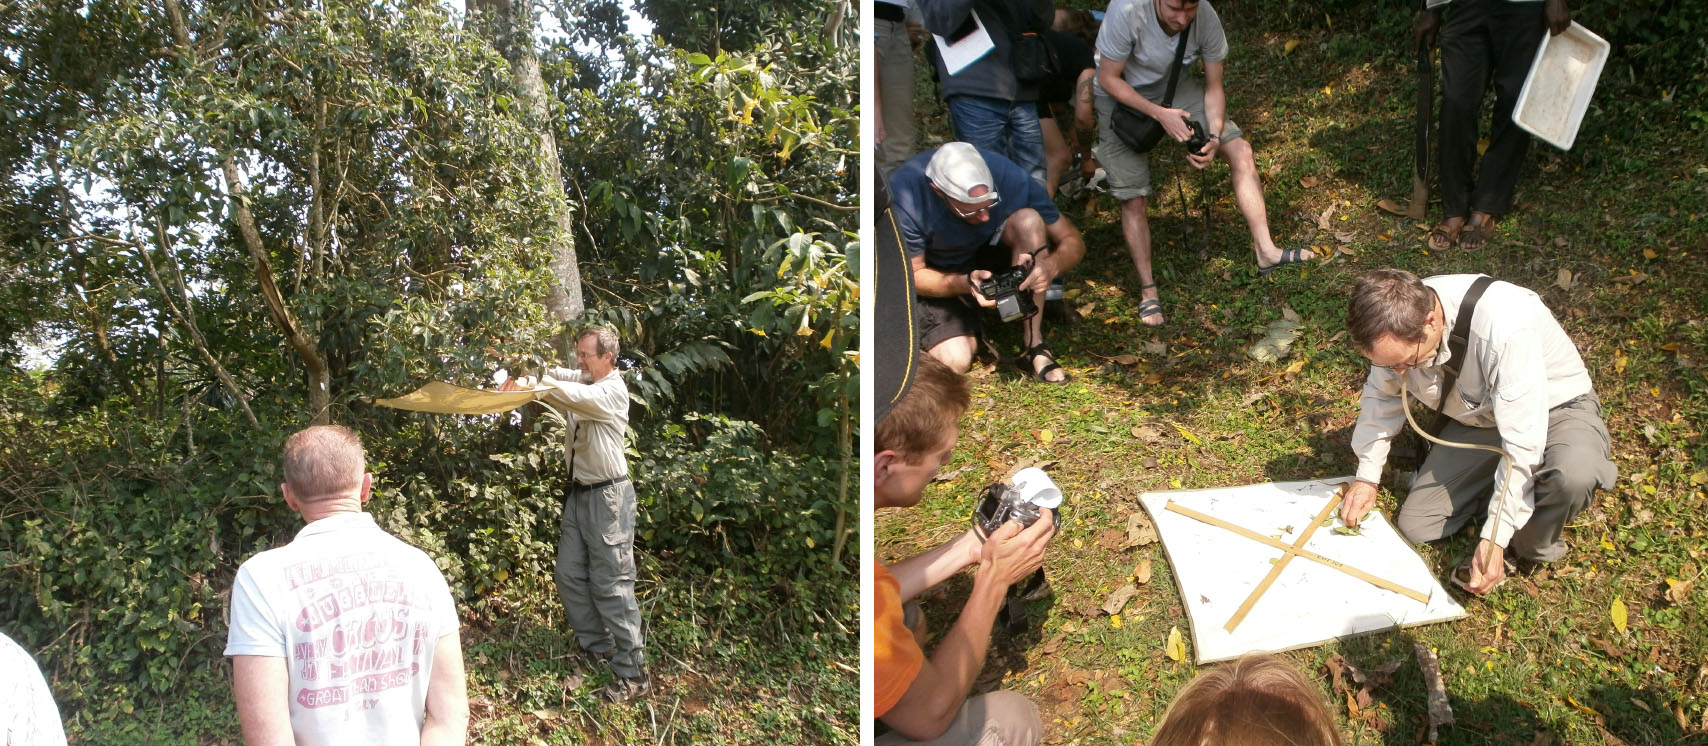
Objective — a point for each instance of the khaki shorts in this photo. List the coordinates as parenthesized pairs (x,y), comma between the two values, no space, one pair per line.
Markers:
(1130,172)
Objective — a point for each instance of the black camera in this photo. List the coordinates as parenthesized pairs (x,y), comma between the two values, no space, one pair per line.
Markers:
(1011,303)
(1000,503)
(1195,144)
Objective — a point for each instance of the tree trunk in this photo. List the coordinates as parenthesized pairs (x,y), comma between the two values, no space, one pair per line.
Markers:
(509,24)
(314,364)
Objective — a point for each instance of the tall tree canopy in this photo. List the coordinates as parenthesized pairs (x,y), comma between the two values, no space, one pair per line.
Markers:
(224,220)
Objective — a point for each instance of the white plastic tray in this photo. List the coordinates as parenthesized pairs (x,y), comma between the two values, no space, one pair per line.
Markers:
(1562,78)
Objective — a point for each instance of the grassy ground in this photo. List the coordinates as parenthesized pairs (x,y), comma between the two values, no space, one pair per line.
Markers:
(1541,660)
(716,678)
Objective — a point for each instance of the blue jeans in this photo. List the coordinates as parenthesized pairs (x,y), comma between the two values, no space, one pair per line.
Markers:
(1006,127)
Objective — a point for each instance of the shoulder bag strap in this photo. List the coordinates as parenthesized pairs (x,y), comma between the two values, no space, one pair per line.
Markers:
(1456,344)
(1174,67)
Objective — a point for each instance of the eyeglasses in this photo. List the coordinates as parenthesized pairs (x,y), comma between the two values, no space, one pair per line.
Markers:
(1412,360)
(981,208)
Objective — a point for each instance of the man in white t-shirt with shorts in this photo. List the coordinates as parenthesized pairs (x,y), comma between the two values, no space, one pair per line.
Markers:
(1136,49)
(346,635)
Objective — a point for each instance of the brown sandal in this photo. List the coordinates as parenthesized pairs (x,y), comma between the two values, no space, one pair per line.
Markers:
(1443,237)
(1477,234)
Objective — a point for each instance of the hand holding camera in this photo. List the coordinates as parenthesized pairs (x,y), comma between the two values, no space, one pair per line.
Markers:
(1004,290)
(1014,553)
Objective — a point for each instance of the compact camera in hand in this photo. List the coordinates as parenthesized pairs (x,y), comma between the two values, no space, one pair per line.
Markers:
(999,503)
(1195,144)
(1012,304)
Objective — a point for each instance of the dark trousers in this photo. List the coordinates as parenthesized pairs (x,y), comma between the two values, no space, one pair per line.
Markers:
(1483,42)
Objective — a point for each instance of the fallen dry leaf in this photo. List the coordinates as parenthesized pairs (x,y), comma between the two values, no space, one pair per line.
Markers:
(1289,314)
(1147,433)
(1617,612)
(1142,573)
(1175,648)
(1343,236)
(1631,279)
(1561,242)
(1323,219)
(1649,254)
(1308,182)
(1156,347)
(1126,359)
(1112,539)
(1045,436)
(1139,530)
(1118,600)
(1678,591)
(1288,48)
(1564,279)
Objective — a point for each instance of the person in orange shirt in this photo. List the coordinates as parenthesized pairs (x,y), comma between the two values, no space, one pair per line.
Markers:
(925,699)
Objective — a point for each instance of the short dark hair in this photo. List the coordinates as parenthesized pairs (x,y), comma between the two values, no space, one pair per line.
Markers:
(1388,301)
(916,424)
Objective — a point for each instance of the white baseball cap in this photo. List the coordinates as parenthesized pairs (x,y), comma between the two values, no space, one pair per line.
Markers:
(956,169)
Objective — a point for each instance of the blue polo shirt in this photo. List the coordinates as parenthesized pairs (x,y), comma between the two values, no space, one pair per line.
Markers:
(928,226)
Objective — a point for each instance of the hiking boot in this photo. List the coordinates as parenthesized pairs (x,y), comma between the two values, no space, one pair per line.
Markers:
(591,661)
(625,689)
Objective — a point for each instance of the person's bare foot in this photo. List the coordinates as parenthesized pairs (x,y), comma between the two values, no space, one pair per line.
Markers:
(1445,234)
(1150,305)
(1478,233)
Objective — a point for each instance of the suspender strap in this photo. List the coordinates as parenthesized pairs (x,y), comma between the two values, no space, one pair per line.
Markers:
(1456,344)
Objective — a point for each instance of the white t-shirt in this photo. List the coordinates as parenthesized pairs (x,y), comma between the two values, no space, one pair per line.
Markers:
(355,613)
(1132,33)
(27,714)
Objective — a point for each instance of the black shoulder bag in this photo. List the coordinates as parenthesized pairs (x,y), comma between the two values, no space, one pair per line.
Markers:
(1418,447)
(1030,55)
(1138,130)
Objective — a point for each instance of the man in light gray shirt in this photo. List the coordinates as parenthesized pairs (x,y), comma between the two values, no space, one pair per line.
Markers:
(595,552)
(1521,387)
(1136,49)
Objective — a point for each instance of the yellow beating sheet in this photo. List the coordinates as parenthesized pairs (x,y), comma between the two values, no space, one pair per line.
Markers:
(444,398)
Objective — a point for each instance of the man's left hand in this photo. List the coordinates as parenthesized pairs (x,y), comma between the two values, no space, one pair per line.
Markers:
(1488,567)
(1208,156)
(1043,270)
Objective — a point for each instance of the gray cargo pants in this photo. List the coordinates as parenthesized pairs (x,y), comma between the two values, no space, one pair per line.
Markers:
(1455,484)
(596,573)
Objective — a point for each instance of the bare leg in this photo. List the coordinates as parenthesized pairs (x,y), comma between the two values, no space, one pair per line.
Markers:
(1022,234)
(1136,227)
(956,352)
(1248,195)
(1057,155)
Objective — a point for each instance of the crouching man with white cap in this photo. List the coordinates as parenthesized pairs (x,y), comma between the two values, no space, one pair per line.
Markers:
(964,213)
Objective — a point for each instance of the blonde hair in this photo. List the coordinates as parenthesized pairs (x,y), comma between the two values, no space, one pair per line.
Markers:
(1258,700)
(324,461)
(917,423)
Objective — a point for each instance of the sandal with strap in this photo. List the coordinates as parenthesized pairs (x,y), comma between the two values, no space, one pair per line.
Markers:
(1288,256)
(1462,575)
(1024,363)
(1149,308)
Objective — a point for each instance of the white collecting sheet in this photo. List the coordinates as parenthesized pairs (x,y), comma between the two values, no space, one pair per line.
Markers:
(1308,603)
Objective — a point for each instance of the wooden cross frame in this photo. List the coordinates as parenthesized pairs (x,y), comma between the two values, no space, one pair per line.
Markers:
(1296,549)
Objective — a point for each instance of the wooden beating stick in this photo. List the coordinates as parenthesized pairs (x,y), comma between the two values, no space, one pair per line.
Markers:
(1281,564)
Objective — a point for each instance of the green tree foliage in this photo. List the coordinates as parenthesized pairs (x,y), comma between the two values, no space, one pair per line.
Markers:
(390,173)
